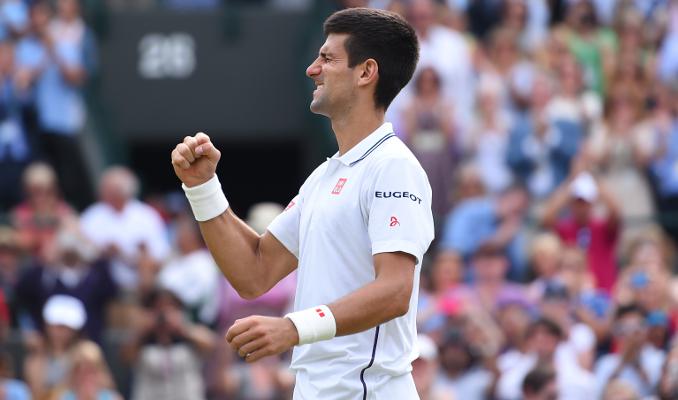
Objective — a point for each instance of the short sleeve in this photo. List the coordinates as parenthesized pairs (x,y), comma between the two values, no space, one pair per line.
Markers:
(285,227)
(398,207)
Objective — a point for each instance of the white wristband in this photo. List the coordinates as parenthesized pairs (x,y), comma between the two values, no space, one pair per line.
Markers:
(314,324)
(207,200)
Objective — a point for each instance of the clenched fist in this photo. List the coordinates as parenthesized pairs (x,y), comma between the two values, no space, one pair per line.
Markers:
(195,159)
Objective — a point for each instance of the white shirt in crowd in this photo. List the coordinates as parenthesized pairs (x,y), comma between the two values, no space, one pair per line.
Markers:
(194,278)
(651,361)
(373,199)
(573,382)
(136,225)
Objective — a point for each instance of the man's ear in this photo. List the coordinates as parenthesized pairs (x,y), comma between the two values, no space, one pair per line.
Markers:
(369,72)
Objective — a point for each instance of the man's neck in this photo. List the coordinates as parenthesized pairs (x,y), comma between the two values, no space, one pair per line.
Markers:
(352,128)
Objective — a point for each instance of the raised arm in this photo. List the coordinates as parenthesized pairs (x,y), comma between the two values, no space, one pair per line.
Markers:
(252,264)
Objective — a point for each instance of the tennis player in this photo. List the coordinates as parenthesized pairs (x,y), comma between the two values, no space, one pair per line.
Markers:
(356,232)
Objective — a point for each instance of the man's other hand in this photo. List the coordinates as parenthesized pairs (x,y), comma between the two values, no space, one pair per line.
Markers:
(256,337)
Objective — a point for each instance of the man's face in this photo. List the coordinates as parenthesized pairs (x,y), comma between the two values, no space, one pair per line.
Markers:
(630,330)
(335,81)
(581,210)
(548,392)
(490,267)
(543,343)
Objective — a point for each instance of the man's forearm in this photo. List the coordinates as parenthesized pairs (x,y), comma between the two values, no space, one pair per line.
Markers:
(369,306)
(235,248)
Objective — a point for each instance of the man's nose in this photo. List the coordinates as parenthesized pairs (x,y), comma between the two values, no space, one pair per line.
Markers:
(313,69)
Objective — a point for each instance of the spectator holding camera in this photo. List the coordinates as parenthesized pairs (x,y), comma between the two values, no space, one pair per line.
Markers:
(167,351)
(636,362)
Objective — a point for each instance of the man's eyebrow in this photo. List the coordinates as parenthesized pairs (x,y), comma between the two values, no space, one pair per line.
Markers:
(325,54)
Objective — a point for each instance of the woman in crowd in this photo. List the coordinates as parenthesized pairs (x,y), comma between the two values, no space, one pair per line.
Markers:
(430,134)
(89,377)
(43,212)
(615,151)
(46,367)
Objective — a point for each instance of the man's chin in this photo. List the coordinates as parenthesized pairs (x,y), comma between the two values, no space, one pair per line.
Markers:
(317,109)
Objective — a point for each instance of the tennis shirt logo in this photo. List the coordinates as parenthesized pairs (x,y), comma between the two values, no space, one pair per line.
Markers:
(320,312)
(340,185)
(398,195)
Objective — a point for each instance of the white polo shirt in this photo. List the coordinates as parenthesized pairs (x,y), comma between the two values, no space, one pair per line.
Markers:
(373,199)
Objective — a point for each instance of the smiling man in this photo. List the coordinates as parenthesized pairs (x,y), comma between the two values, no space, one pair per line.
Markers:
(356,232)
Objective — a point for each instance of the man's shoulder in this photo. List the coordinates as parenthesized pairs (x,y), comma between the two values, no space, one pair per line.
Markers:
(394,151)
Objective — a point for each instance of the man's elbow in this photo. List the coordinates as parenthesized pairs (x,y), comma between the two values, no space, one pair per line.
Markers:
(400,305)
(249,292)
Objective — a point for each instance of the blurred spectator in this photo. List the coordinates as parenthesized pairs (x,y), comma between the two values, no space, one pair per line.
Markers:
(490,286)
(540,149)
(514,317)
(15,145)
(47,366)
(448,52)
(597,236)
(499,221)
(10,268)
(488,141)
(192,275)
(51,58)
(591,44)
(74,271)
(545,256)
(89,377)
(633,65)
(540,384)
(667,64)
(43,212)
(579,340)
(663,167)
(11,388)
(14,16)
(130,232)
(528,18)
(468,183)
(425,370)
(668,383)
(441,298)
(461,373)
(167,350)
(428,120)
(590,305)
(616,154)
(543,339)
(636,362)
(572,101)
(501,61)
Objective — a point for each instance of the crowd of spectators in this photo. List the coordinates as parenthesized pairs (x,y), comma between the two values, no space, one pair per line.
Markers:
(549,132)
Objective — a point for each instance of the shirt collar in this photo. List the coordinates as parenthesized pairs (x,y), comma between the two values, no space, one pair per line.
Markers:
(366,146)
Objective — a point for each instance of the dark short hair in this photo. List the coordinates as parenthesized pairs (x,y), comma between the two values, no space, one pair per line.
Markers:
(489,250)
(550,325)
(538,378)
(630,308)
(383,36)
